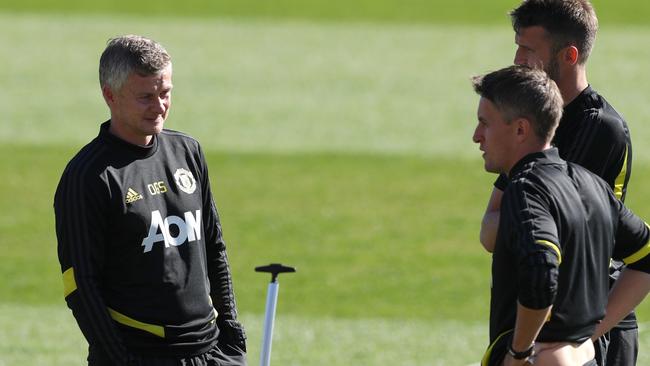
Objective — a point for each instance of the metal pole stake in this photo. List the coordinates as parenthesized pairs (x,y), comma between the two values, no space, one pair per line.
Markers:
(271,302)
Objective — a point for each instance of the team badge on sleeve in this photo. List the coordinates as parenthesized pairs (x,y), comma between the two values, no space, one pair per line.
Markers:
(185,180)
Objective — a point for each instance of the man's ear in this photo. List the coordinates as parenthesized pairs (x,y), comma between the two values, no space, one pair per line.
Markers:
(523,129)
(570,55)
(109,96)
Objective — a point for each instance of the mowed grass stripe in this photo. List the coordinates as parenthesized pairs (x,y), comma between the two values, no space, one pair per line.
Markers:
(292,86)
(48,335)
(405,11)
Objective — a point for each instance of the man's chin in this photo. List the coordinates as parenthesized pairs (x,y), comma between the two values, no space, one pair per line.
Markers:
(491,169)
(155,128)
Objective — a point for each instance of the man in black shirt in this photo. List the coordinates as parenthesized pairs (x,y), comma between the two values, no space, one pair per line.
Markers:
(140,244)
(557,36)
(557,221)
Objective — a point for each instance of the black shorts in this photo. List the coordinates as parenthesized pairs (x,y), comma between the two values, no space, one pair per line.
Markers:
(619,347)
(216,356)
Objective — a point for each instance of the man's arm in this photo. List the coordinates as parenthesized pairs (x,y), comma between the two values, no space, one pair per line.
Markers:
(79,211)
(231,332)
(536,261)
(628,292)
(527,328)
(490,222)
(632,246)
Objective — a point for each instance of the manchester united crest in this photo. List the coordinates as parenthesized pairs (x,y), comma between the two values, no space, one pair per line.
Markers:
(185,180)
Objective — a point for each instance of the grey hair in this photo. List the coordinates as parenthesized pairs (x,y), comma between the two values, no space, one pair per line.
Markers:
(523,92)
(131,53)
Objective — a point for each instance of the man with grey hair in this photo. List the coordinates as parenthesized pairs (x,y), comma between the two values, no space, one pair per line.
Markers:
(553,212)
(140,244)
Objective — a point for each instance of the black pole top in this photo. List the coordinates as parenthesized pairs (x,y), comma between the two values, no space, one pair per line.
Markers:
(275,269)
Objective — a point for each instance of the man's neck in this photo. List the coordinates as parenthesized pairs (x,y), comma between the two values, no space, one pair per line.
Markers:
(572,84)
(123,133)
(526,150)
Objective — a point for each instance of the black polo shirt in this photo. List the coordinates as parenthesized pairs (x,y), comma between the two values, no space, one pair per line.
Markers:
(559,226)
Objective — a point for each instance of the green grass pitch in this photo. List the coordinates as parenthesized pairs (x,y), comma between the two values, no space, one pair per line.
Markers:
(343,148)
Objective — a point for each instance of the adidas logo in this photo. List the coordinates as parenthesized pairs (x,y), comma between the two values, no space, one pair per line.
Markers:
(132,196)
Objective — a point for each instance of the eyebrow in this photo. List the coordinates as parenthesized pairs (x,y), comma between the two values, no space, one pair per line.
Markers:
(518,43)
(148,94)
(525,47)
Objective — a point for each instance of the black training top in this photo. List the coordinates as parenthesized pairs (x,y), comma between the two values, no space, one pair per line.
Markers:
(559,226)
(591,133)
(140,247)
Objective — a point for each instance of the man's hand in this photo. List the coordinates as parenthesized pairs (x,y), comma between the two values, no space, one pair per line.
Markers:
(231,333)
(490,222)
(509,361)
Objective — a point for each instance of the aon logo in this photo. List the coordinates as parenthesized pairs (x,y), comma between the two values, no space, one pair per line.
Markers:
(188,229)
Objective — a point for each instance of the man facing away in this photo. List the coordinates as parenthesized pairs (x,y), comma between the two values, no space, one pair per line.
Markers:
(140,244)
(558,36)
(559,227)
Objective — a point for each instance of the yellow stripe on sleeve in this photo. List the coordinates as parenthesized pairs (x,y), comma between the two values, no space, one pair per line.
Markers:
(69,283)
(216,313)
(157,330)
(552,246)
(640,254)
(619,182)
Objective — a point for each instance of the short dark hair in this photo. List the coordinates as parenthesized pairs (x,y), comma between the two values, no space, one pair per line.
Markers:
(568,22)
(131,53)
(520,91)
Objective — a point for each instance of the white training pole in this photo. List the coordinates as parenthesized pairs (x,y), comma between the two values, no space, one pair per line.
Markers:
(271,303)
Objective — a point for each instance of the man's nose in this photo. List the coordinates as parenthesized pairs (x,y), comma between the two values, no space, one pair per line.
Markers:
(160,105)
(477,136)
(520,59)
